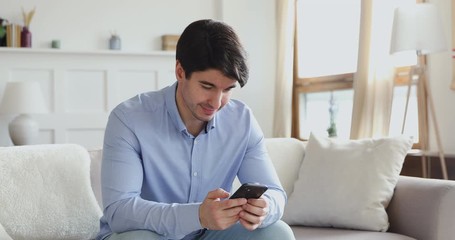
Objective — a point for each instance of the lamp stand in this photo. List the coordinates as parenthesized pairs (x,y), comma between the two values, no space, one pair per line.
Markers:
(23,130)
(426,89)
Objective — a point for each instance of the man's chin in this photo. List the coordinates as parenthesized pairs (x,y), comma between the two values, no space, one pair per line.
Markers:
(206,117)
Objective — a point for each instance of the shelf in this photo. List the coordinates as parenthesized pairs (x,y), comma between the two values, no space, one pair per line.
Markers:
(79,52)
(419,153)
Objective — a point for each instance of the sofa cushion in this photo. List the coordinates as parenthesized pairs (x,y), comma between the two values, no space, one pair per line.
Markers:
(46,193)
(304,233)
(346,184)
(96,157)
(286,155)
(3,234)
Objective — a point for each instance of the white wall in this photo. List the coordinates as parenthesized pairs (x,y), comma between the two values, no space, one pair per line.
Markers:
(255,23)
(85,25)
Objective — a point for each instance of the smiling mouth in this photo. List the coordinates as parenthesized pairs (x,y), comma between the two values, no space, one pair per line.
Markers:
(208,111)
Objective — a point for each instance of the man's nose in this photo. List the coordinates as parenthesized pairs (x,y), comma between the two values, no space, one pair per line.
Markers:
(215,99)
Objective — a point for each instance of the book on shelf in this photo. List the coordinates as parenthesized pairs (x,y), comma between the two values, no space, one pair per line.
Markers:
(13,35)
(169,42)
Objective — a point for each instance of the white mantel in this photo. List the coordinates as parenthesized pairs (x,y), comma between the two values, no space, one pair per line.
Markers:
(81,88)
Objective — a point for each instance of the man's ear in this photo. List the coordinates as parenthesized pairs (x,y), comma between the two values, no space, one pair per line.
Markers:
(179,71)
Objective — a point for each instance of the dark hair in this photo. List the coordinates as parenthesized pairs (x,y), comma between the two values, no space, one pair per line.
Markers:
(208,44)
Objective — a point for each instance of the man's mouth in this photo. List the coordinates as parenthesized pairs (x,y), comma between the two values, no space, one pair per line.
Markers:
(208,110)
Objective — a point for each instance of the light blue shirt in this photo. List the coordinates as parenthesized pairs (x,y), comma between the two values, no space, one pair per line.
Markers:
(155,174)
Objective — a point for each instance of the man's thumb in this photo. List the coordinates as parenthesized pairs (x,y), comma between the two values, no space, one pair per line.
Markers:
(217,194)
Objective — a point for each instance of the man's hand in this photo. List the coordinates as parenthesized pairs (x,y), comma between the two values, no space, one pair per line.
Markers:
(254,213)
(215,214)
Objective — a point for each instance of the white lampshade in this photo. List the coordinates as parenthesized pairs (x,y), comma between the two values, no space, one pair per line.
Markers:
(417,27)
(23,97)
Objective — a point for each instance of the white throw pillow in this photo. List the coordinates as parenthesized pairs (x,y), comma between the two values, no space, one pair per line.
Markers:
(347,183)
(46,193)
(96,157)
(3,234)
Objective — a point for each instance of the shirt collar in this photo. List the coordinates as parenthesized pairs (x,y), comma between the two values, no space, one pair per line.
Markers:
(171,106)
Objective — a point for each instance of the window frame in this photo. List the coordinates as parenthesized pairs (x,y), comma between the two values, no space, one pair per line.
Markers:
(346,81)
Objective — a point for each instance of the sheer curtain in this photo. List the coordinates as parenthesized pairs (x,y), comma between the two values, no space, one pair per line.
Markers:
(453,46)
(282,124)
(373,82)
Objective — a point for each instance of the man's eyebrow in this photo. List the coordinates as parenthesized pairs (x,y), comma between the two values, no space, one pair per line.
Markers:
(206,83)
(213,85)
(231,87)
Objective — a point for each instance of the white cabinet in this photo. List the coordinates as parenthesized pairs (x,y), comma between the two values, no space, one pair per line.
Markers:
(81,88)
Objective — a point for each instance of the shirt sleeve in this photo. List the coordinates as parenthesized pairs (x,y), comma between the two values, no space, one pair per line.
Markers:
(257,167)
(122,176)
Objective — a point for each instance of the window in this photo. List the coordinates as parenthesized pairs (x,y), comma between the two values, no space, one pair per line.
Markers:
(329,47)
(334,107)
(325,62)
(326,58)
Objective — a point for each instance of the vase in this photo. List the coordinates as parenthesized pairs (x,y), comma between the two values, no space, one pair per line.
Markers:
(26,38)
(115,43)
(55,44)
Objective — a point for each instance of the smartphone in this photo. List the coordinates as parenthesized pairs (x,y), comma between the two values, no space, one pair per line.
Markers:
(249,190)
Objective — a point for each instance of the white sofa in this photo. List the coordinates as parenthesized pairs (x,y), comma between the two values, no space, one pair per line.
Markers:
(421,209)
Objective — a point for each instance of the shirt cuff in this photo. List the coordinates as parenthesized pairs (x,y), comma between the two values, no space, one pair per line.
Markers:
(190,217)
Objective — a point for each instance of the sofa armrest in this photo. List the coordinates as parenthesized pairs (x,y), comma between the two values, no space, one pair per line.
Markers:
(423,208)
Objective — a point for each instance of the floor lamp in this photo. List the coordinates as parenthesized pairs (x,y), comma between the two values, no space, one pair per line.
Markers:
(418,28)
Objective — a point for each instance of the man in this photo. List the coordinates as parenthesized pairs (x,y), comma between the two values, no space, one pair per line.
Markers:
(170,156)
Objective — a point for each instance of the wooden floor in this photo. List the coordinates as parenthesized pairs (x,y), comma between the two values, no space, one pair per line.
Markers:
(413,167)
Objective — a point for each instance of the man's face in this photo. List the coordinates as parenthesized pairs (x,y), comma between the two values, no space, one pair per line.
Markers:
(201,96)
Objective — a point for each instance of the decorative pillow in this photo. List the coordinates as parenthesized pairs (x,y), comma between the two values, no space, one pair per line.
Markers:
(347,184)
(96,156)
(46,193)
(3,234)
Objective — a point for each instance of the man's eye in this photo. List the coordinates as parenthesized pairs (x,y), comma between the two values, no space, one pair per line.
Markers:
(206,86)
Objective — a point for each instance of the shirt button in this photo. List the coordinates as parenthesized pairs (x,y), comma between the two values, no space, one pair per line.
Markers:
(195,174)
